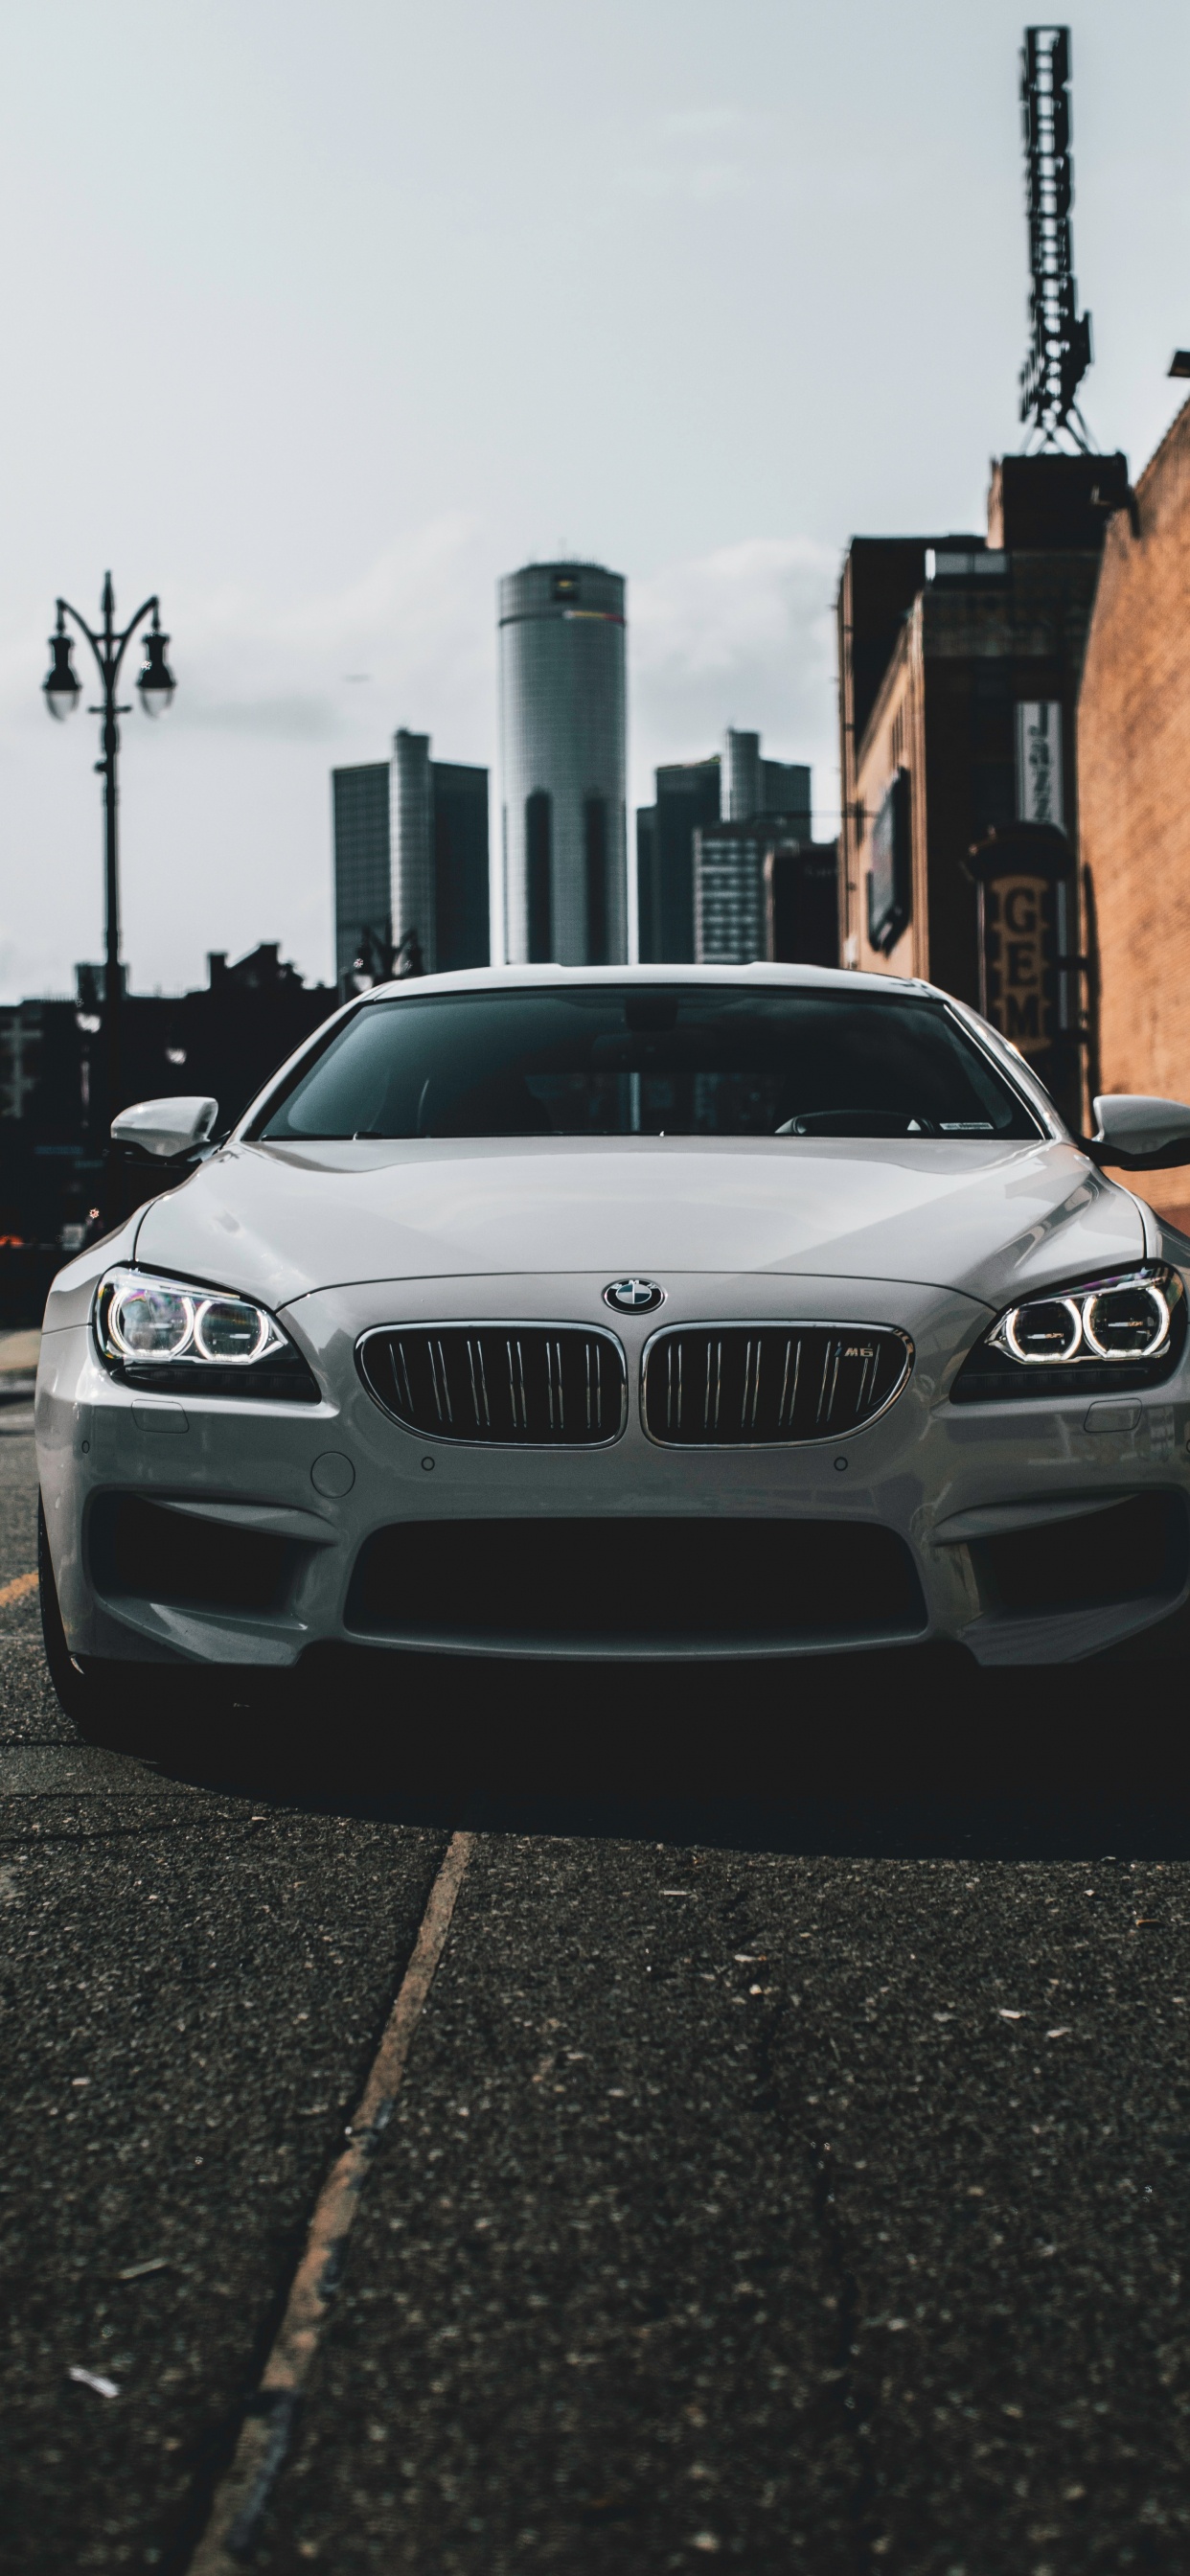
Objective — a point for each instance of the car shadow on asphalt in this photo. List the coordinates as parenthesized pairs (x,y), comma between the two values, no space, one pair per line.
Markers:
(915,1754)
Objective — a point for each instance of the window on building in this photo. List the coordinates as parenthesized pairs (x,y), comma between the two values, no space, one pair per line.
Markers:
(538,856)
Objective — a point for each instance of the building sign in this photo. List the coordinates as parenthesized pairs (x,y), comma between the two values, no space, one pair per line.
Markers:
(1039,762)
(1023,874)
(1016,951)
(890,875)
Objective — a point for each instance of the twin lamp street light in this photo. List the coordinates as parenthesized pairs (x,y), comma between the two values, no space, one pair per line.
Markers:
(63,690)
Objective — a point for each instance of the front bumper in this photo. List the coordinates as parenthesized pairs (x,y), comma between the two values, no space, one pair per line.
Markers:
(302,1492)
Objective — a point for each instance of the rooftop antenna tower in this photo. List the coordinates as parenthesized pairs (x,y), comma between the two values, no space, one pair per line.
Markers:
(1060,353)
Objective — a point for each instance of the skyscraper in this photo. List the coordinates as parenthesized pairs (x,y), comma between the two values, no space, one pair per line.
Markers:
(563,727)
(411,813)
(687,796)
(733,788)
(761,889)
(411,858)
(459,813)
(363,886)
(754,786)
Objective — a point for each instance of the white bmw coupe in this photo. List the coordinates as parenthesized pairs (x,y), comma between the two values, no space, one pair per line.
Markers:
(623,1312)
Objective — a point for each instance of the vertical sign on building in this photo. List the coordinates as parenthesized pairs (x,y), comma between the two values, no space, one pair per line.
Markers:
(1039,762)
(1022,874)
(890,875)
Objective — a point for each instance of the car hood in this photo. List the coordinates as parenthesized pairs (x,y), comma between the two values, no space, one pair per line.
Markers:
(278,1221)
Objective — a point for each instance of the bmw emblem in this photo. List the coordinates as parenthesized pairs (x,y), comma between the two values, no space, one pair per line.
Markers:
(633,1296)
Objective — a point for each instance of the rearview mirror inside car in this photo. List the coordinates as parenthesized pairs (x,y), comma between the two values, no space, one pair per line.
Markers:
(169,1127)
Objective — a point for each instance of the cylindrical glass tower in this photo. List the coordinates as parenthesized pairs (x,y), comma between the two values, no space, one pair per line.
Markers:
(563,725)
(412,844)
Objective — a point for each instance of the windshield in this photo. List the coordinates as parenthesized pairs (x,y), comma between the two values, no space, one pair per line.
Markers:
(676,1060)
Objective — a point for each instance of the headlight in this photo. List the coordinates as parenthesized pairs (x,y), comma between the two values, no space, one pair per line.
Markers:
(1124,1330)
(158,1332)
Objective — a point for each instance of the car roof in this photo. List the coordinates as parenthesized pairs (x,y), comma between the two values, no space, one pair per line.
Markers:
(483,979)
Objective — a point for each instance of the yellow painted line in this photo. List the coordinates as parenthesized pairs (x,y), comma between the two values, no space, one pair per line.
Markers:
(243,2494)
(17,1590)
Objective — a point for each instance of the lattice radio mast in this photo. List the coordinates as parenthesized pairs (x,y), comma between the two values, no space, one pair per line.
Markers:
(1060,353)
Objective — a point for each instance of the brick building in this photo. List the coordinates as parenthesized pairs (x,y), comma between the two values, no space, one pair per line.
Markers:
(960,659)
(1134,795)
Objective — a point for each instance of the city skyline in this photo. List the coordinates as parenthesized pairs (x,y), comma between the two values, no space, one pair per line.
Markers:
(216,398)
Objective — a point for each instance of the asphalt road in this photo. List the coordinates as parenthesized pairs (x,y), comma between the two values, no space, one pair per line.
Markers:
(792,2164)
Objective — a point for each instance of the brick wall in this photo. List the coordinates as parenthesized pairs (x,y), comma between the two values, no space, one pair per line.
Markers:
(1134,795)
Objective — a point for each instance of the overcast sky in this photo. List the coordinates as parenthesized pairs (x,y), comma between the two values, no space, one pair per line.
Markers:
(319,314)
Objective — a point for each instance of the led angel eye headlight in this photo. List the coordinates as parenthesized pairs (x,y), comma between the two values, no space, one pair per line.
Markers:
(142,1322)
(231,1328)
(1127,1323)
(1039,1334)
(1127,1318)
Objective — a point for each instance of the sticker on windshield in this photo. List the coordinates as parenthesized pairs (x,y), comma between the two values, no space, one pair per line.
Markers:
(965,1126)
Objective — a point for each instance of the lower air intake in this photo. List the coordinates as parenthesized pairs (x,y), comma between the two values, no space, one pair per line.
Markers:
(1134,1551)
(142,1549)
(635,1586)
(763,1385)
(522,1386)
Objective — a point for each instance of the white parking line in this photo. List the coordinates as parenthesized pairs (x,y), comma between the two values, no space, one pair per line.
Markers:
(242,2495)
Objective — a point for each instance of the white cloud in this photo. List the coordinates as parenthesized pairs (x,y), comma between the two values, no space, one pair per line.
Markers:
(418,622)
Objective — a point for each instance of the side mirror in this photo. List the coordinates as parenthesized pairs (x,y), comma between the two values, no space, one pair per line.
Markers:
(1139,1134)
(170,1127)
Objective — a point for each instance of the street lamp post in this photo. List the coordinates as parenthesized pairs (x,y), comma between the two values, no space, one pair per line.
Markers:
(63,689)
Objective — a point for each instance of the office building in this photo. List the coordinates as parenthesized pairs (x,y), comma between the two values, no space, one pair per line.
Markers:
(412,843)
(411,864)
(960,659)
(363,865)
(762,890)
(563,731)
(462,901)
(728,894)
(735,786)
(439,857)
(752,785)
(687,796)
(801,901)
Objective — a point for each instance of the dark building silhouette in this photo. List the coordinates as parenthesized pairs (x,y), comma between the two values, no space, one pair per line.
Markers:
(363,866)
(801,902)
(411,864)
(462,935)
(687,795)
(225,1040)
